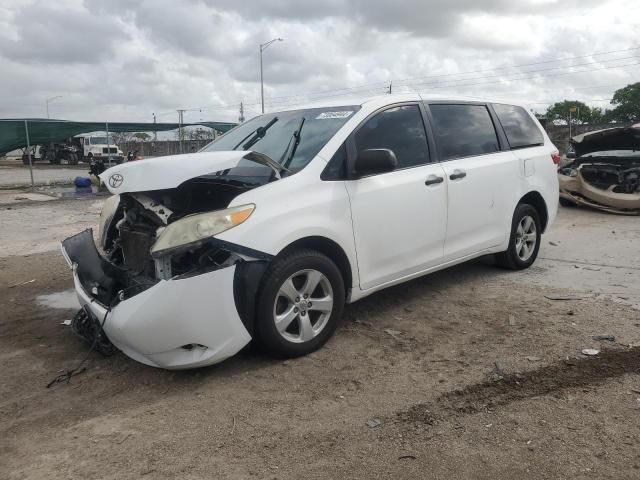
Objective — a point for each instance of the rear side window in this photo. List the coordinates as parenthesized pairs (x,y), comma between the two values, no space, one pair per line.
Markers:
(463,130)
(399,129)
(519,127)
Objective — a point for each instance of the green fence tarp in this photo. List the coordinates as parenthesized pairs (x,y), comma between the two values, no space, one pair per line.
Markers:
(13,134)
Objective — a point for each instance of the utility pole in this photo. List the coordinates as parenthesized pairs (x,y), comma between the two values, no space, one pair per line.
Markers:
(50,99)
(263,47)
(106,126)
(571,110)
(241,117)
(180,118)
(26,132)
(390,84)
(155,132)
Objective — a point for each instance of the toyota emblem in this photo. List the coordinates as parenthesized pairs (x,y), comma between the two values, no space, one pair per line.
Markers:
(115,180)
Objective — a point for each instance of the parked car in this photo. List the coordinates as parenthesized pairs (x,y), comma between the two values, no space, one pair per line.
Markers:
(266,232)
(603,171)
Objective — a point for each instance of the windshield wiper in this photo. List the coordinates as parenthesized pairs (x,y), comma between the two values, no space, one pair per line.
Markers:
(256,135)
(287,155)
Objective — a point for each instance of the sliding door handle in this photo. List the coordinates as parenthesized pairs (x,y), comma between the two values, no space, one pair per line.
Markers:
(457,174)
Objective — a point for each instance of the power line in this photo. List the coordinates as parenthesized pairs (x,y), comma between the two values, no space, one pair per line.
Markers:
(505,77)
(440,86)
(535,71)
(537,76)
(382,86)
(526,64)
(460,73)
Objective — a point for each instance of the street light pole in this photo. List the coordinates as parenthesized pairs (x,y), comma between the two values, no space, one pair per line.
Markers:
(263,47)
(50,99)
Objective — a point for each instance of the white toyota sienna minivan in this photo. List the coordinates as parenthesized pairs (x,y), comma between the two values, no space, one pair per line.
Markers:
(266,232)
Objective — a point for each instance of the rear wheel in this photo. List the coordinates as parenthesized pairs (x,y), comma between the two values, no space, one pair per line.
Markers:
(300,303)
(524,242)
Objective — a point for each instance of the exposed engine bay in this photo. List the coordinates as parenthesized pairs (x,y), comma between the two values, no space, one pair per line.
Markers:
(132,222)
(605,173)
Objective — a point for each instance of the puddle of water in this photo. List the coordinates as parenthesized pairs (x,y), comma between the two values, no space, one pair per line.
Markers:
(66,300)
(72,192)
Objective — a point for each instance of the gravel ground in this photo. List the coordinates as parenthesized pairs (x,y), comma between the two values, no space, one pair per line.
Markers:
(472,372)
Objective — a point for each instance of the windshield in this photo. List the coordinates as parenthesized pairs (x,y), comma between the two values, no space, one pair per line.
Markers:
(100,140)
(289,138)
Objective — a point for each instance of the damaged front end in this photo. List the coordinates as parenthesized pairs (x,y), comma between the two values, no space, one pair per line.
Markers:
(169,293)
(606,173)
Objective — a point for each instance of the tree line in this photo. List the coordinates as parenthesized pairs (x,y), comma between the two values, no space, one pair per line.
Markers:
(625,107)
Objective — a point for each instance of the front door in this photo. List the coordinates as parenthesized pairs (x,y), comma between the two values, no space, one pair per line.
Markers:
(399,218)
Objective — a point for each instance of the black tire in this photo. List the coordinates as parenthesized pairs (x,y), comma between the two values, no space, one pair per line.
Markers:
(566,202)
(510,258)
(281,269)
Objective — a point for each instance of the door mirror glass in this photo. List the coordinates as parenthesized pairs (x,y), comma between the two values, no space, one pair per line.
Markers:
(571,154)
(374,161)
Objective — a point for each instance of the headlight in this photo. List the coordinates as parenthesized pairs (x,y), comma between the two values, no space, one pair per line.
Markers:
(195,228)
(108,211)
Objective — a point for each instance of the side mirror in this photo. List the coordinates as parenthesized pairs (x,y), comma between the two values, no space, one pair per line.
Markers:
(571,154)
(375,160)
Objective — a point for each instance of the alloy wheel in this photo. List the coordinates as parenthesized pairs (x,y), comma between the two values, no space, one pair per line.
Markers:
(303,306)
(526,238)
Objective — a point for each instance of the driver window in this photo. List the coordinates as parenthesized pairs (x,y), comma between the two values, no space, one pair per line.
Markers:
(401,130)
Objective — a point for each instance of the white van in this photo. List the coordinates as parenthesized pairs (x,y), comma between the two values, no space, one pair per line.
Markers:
(266,232)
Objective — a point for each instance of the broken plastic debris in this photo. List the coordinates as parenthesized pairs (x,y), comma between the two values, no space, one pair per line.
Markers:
(512,320)
(22,283)
(66,322)
(393,333)
(373,423)
(533,359)
(608,338)
(590,351)
(564,297)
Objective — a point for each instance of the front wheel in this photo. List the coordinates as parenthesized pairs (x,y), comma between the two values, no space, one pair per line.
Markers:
(300,303)
(524,241)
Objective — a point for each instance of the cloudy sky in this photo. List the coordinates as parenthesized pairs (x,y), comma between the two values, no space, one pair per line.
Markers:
(122,60)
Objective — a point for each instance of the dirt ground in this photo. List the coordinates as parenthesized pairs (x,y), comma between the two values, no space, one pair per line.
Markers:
(467,373)
(14,173)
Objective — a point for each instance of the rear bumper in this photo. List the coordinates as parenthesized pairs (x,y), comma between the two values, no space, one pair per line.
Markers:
(175,324)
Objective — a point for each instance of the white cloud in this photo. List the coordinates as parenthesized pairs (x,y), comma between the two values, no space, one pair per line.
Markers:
(122,60)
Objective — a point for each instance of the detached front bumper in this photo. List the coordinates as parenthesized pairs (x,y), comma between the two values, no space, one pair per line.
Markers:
(580,192)
(175,324)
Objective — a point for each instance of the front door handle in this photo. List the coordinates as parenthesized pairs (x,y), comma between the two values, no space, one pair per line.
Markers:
(433,180)
(457,174)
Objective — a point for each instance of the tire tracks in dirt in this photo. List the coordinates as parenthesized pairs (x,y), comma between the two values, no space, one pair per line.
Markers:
(547,380)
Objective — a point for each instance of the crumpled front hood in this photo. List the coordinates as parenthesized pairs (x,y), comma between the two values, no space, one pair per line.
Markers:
(168,172)
(618,138)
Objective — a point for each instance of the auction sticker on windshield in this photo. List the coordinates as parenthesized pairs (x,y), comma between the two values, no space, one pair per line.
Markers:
(340,114)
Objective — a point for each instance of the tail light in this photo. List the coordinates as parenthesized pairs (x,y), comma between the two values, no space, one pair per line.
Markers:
(555,157)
